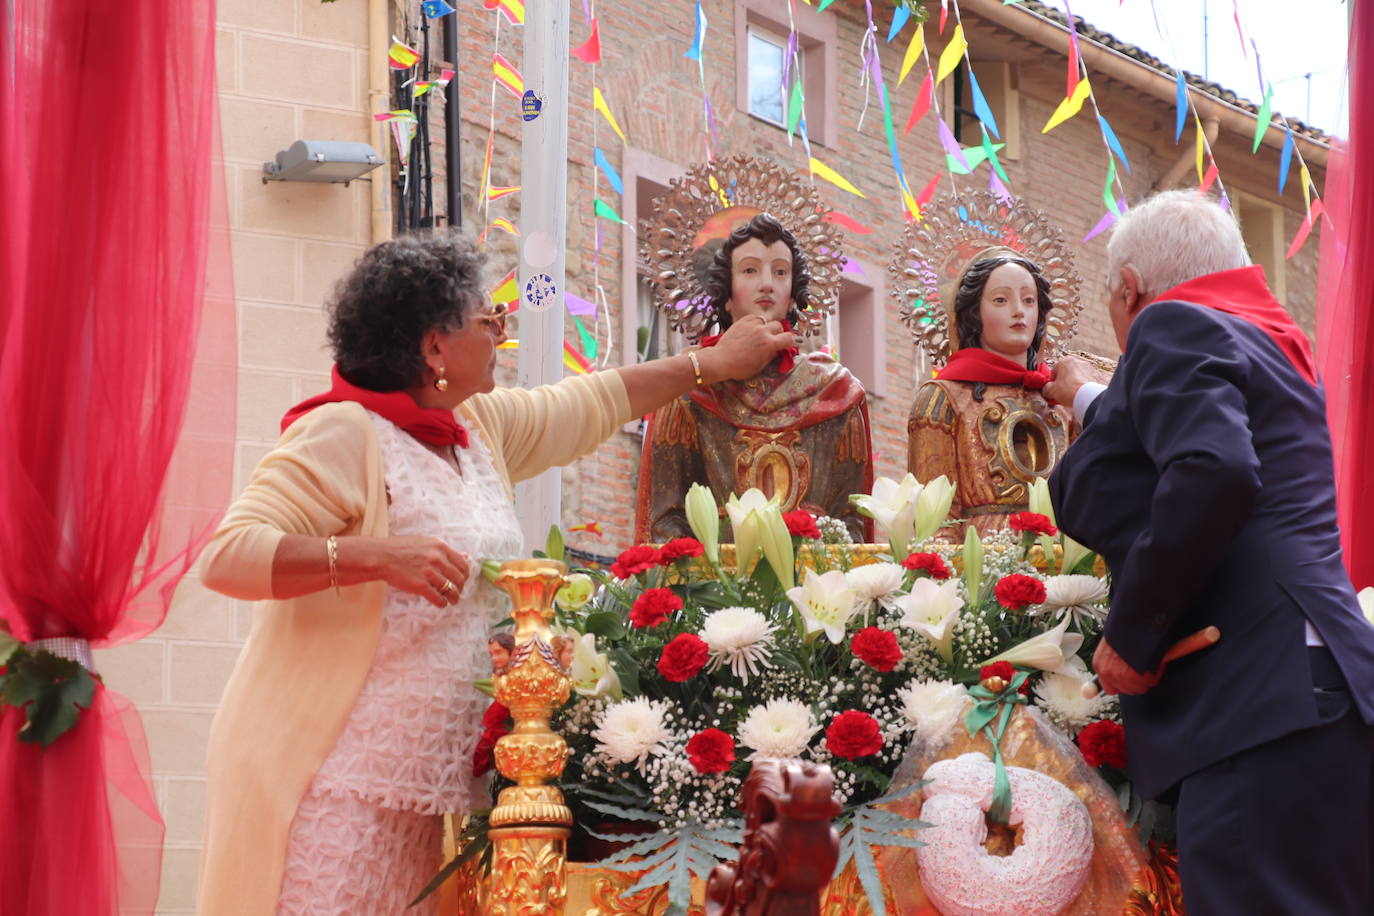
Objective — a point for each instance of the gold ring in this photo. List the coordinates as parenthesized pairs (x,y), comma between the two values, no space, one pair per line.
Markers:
(446,587)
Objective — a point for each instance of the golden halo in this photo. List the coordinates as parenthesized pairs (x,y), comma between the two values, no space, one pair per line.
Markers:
(692,220)
(932,254)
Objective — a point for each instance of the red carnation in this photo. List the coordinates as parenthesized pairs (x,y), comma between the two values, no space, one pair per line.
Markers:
(679,549)
(932,563)
(634,561)
(711,751)
(877,648)
(653,606)
(854,734)
(1032,523)
(1016,592)
(801,524)
(683,657)
(1103,744)
(496,724)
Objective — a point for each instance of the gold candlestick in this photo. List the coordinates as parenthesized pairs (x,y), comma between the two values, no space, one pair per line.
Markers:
(529,825)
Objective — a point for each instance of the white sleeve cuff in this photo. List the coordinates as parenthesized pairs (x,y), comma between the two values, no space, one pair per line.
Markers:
(1084,397)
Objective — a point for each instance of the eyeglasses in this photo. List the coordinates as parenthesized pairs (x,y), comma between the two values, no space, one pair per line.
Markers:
(495,320)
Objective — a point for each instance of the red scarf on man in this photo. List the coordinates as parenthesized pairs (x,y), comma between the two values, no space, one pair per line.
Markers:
(974,364)
(787,357)
(428,424)
(1243,292)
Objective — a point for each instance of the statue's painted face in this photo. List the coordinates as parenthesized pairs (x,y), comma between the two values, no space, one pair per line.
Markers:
(500,655)
(1009,312)
(760,280)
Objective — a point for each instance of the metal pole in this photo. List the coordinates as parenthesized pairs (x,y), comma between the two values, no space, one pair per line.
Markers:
(543,215)
(453,137)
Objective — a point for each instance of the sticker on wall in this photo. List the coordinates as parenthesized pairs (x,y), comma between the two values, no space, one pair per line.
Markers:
(540,292)
(539,250)
(530,105)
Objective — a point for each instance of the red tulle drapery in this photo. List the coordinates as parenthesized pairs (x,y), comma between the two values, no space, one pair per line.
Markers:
(1345,306)
(117,403)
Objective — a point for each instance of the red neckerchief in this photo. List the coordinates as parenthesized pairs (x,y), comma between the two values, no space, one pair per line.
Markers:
(1243,292)
(787,357)
(428,424)
(974,364)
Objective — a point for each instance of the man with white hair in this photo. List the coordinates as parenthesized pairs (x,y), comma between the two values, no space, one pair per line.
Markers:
(1204,478)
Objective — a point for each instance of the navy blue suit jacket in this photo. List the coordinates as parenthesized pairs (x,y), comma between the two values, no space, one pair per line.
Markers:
(1204,478)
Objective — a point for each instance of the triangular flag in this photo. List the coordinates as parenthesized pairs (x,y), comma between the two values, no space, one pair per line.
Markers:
(1308,222)
(1107,219)
(1108,195)
(1199,148)
(589,52)
(795,103)
(589,345)
(400,56)
(507,290)
(599,103)
(433,9)
(1285,157)
(913,51)
(392,115)
(1069,107)
(900,15)
(609,171)
(847,222)
(824,171)
(574,360)
(922,103)
(495,193)
(1182,101)
(1262,119)
(952,147)
(1210,178)
(606,211)
(980,105)
(928,191)
(505,73)
(513,10)
(694,52)
(991,152)
(1114,144)
(952,54)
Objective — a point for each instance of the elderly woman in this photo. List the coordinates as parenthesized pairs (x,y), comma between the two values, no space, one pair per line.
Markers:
(348,725)
(982,421)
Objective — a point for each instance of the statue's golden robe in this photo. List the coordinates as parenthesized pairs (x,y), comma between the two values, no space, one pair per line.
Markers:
(802,435)
(992,448)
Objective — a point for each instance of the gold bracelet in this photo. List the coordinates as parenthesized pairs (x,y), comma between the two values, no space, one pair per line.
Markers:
(696,367)
(331,545)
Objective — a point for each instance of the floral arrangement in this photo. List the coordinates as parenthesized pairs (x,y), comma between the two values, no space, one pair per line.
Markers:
(684,670)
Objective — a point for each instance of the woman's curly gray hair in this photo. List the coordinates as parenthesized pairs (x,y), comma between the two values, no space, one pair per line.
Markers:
(398,292)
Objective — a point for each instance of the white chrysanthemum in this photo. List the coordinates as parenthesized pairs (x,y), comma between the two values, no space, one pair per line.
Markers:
(779,728)
(740,637)
(629,732)
(1060,694)
(933,708)
(876,582)
(1080,596)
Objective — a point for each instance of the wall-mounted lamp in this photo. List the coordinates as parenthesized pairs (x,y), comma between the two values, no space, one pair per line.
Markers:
(322,160)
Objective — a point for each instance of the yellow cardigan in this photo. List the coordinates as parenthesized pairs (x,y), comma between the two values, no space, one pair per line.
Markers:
(305,659)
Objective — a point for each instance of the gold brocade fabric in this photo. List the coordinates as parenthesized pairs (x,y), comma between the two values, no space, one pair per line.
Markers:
(1120,865)
(991,449)
(803,436)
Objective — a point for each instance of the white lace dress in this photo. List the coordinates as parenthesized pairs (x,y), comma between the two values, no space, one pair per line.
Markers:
(368,834)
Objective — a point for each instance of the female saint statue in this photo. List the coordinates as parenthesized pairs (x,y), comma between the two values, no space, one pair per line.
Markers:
(982,421)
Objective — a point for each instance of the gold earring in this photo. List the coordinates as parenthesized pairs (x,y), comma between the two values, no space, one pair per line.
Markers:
(441,383)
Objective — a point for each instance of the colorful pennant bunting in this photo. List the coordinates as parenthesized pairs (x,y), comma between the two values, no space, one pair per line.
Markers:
(495,193)
(1114,144)
(401,57)
(599,103)
(393,115)
(847,222)
(589,345)
(507,291)
(505,73)
(609,171)
(578,306)
(606,211)
(513,10)
(1071,106)
(913,51)
(574,360)
(1182,103)
(1102,225)
(980,105)
(952,147)
(820,169)
(1262,119)
(1285,157)
(441,83)
(589,52)
(694,52)
(1308,222)
(922,103)
(434,9)
(900,15)
(593,528)
(952,54)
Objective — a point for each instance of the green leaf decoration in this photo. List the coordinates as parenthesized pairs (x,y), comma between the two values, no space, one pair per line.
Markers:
(672,857)
(473,841)
(869,826)
(52,691)
(606,625)
(627,814)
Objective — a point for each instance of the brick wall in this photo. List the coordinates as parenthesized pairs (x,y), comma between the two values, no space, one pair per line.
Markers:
(296,69)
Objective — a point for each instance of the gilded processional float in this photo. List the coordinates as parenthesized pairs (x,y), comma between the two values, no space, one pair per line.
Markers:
(939,673)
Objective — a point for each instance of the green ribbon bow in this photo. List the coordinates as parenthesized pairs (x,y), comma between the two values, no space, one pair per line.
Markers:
(989,706)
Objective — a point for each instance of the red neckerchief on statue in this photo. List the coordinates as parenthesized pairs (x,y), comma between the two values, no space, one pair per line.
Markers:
(787,357)
(433,425)
(1243,292)
(974,364)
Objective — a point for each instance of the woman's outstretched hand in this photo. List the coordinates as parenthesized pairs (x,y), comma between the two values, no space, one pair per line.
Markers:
(744,349)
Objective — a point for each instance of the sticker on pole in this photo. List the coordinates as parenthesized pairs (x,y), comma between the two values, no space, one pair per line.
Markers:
(530,105)
(540,293)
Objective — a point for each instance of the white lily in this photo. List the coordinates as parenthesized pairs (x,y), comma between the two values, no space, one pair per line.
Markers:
(777,544)
(746,518)
(893,506)
(1366,597)
(1039,498)
(826,603)
(1046,651)
(576,591)
(973,563)
(703,517)
(930,609)
(1073,553)
(592,674)
(932,508)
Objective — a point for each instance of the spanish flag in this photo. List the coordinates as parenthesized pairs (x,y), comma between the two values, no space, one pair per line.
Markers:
(507,75)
